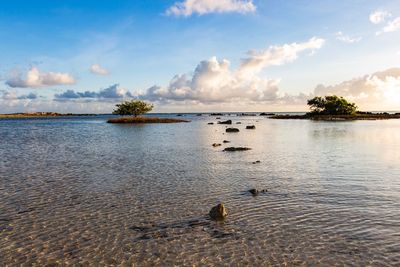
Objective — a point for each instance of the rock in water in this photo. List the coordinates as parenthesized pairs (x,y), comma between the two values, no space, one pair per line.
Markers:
(215,145)
(225,122)
(250,127)
(232,149)
(226,141)
(210,123)
(232,130)
(255,192)
(218,212)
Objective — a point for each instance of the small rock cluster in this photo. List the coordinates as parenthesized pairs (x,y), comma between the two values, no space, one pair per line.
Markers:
(219,212)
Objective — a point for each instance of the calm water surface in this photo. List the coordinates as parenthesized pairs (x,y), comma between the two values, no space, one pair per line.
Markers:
(79,191)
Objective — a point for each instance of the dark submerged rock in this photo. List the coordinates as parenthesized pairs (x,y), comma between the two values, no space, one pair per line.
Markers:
(216,144)
(232,130)
(218,212)
(226,141)
(256,192)
(256,162)
(225,122)
(210,123)
(238,122)
(232,149)
(250,127)
(246,114)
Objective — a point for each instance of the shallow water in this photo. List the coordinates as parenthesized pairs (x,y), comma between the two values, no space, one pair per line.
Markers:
(79,191)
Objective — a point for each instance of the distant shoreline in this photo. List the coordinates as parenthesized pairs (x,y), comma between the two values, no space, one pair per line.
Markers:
(40,115)
(278,115)
(361,116)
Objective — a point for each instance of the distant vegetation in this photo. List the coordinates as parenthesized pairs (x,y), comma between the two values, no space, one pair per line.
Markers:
(39,115)
(335,108)
(133,107)
(331,105)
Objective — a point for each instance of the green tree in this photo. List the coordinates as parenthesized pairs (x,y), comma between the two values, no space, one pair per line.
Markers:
(134,107)
(331,105)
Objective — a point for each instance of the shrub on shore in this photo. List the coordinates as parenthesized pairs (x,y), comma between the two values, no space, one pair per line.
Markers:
(134,107)
(331,105)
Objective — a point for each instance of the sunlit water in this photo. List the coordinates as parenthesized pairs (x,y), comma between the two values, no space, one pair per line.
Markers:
(79,191)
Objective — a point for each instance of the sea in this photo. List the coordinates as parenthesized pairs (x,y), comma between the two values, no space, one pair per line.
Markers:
(78,191)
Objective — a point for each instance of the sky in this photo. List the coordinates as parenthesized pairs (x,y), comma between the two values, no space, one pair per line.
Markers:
(198,55)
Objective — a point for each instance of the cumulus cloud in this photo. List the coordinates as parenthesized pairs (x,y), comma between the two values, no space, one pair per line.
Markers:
(34,78)
(379,16)
(99,70)
(214,80)
(112,92)
(201,7)
(346,38)
(377,88)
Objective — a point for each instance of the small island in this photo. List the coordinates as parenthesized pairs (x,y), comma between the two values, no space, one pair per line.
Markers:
(136,108)
(334,108)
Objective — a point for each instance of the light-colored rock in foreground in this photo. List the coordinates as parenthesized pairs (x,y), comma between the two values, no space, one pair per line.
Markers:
(218,212)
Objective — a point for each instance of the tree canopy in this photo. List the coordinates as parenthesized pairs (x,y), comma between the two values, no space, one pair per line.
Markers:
(133,107)
(331,105)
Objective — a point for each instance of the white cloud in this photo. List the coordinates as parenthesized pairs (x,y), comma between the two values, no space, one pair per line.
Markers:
(346,38)
(277,55)
(393,25)
(99,70)
(214,81)
(377,89)
(201,7)
(34,78)
(379,16)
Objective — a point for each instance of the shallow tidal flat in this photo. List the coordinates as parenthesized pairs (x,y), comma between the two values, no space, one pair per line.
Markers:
(81,191)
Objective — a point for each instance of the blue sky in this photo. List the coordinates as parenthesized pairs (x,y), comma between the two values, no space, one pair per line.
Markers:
(54,51)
